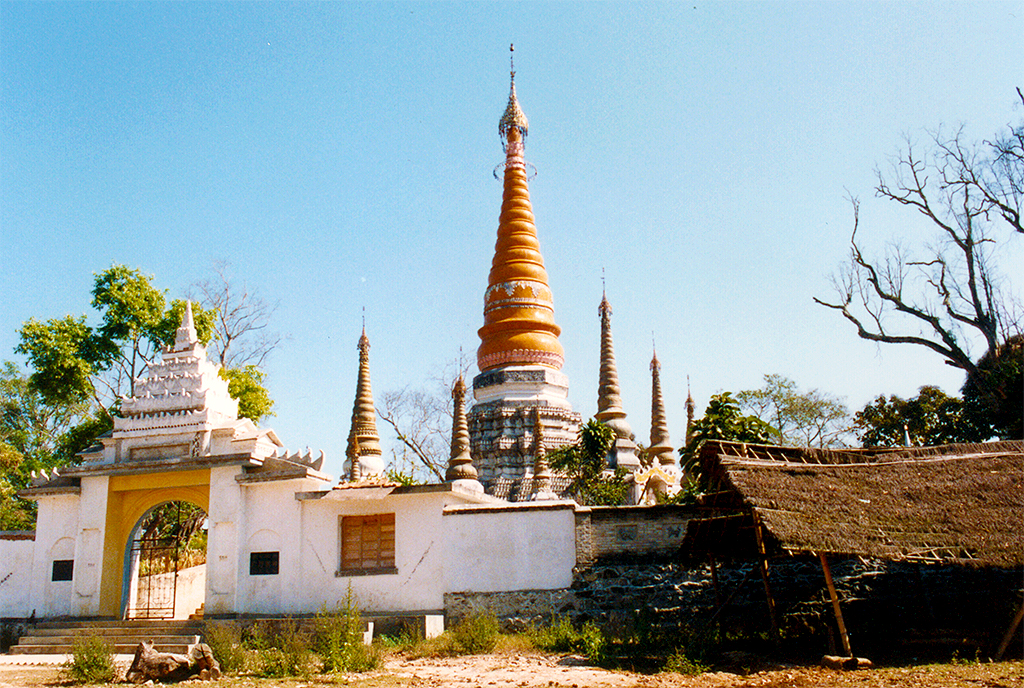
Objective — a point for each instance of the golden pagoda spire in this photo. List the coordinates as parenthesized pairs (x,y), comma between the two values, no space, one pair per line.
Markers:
(519,312)
(460,466)
(660,447)
(363,441)
(609,400)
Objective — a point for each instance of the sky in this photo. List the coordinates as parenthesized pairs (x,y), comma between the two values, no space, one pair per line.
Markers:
(339,156)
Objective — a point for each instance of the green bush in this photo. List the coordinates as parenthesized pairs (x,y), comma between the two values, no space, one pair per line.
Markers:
(225,641)
(476,634)
(92,661)
(680,663)
(338,639)
(587,640)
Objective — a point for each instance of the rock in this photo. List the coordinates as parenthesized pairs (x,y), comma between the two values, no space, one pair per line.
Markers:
(845,663)
(148,665)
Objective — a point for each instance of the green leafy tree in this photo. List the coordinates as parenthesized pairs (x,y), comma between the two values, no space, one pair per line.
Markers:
(994,393)
(585,464)
(807,419)
(246,385)
(932,417)
(34,435)
(73,362)
(723,420)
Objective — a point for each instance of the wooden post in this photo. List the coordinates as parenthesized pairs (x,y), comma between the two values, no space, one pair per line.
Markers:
(1009,634)
(764,576)
(714,583)
(835,604)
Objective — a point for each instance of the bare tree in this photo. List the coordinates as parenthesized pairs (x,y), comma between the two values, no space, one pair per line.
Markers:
(949,295)
(422,422)
(242,334)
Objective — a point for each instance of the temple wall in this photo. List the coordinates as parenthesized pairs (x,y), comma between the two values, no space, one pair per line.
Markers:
(306,534)
(57,529)
(16,552)
(510,547)
(222,548)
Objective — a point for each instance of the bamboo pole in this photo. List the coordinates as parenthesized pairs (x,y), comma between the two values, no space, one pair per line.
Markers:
(835,604)
(1009,633)
(764,576)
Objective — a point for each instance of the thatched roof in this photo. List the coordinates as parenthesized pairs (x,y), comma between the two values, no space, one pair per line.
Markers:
(954,503)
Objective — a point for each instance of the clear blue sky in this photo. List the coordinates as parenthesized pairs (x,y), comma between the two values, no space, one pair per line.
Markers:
(339,155)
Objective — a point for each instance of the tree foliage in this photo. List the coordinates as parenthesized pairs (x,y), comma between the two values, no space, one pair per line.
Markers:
(73,362)
(723,420)
(947,296)
(246,385)
(35,435)
(932,417)
(585,464)
(994,393)
(807,419)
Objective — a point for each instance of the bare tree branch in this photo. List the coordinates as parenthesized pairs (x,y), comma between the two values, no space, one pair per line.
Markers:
(242,334)
(952,298)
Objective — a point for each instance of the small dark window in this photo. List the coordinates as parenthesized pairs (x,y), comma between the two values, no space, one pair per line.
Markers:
(264,563)
(63,569)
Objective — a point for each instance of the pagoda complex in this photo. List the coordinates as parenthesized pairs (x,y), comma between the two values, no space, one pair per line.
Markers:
(520,385)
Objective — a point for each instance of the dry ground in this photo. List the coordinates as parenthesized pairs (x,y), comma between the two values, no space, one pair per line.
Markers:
(529,670)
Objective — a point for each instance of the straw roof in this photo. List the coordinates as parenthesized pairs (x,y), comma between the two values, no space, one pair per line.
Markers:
(952,504)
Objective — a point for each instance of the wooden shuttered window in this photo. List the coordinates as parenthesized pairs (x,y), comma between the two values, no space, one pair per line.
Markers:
(368,543)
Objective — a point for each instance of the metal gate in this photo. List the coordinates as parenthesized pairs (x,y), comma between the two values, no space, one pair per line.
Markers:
(155,559)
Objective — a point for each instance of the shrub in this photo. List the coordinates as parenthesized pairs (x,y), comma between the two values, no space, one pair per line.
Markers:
(225,641)
(476,634)
(338,639)
(680,663)
(587,640)
(92,661)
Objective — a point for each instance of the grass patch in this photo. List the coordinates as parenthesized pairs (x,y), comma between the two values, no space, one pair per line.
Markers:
(92,661)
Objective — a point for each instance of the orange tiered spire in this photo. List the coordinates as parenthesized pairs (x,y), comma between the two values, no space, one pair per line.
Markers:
(519,312)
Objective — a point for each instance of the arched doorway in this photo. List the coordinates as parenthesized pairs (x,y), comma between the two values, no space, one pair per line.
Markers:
(165,563)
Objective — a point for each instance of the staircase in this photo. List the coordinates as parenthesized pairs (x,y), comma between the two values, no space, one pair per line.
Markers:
(59,637)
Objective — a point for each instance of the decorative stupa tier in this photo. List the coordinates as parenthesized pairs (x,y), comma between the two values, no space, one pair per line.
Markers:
(460,465)
(609,401)
(182,389)
(520,357)
(363,441)
(519,311)
(660,448)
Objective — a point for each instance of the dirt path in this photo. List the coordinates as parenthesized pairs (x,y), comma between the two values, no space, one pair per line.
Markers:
(530,670)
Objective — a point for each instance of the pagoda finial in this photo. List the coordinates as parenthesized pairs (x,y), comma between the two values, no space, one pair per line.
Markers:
(460,465)
(660,446)
(363,439)
(513,125)
(609,400)
(186,337)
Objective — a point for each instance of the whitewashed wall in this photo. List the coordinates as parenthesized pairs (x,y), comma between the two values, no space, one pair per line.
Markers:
(15,577)
(510,547)
(57,529)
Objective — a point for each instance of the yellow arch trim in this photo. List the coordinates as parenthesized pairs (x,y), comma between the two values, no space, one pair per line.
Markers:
(129,497)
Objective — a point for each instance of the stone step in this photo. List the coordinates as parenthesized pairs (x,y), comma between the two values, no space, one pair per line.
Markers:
(114,623)
(114,630)
(123,638)
(118,649)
